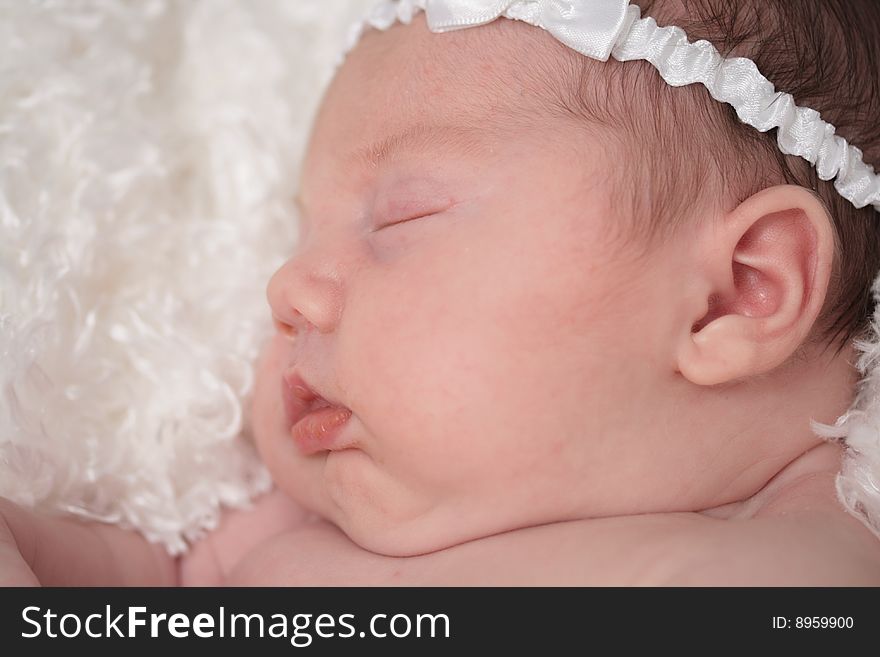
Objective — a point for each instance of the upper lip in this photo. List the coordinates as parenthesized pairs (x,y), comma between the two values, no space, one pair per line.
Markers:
(300,397)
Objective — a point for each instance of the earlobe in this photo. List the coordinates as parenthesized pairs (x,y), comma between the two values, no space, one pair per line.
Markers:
(767,276)
(720,352)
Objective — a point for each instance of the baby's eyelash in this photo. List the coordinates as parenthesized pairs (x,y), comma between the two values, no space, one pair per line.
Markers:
(421,215)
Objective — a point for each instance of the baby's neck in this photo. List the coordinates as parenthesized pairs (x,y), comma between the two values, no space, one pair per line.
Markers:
(768,440)
(808,481)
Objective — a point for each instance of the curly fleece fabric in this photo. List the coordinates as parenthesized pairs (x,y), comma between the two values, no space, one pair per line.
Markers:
(148,155)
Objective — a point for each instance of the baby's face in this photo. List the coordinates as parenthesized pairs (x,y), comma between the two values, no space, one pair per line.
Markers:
(499,354)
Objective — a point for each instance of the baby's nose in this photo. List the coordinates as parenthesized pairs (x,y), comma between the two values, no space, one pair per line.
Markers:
(303,296)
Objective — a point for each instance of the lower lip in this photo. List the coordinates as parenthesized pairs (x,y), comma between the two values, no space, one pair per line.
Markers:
(320,430)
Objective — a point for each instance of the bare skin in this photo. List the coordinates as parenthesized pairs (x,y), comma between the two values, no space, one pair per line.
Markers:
(42,550)
(792,532)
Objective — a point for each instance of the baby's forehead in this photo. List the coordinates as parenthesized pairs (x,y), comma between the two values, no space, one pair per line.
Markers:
(493,48)
(499,73)
(498,94)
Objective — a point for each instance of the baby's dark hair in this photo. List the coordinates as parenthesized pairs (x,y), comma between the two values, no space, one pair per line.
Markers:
(825,53)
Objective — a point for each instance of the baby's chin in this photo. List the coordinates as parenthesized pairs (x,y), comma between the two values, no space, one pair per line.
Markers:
(378,512)
(396,516)
(408,539)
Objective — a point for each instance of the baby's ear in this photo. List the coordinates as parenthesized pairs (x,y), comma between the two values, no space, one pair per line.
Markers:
(761,278)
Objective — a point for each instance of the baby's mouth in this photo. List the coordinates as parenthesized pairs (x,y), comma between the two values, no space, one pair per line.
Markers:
(315,424)
(321,430)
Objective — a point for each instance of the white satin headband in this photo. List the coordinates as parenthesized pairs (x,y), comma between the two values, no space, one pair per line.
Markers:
(599,28)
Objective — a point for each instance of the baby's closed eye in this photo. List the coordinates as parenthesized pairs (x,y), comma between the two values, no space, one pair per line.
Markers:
(415,216)
(409,200)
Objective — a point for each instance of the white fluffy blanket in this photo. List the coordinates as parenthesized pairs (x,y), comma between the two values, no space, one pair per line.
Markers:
(148,154)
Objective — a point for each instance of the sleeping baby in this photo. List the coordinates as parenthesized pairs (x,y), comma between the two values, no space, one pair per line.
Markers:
(550,320)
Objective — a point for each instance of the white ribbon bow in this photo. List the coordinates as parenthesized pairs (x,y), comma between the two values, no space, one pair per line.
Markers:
(591,28)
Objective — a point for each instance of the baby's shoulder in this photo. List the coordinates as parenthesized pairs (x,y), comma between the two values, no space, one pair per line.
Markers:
(802,549)
(794,531)
(799,535)
(240,532)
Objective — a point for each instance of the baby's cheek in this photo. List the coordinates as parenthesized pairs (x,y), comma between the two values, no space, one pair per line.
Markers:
(265,403)
(267,414)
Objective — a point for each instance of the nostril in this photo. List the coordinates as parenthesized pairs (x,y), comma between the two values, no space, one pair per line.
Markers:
(283,328)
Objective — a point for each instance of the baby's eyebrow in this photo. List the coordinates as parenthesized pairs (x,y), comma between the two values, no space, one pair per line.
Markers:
(461,139)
